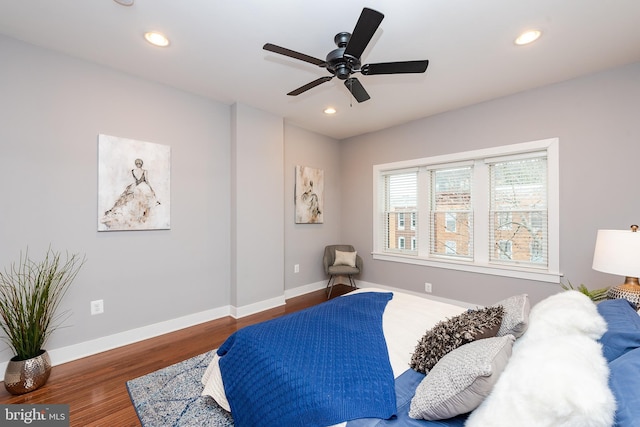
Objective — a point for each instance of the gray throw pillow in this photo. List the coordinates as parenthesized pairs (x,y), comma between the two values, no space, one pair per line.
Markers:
(462,379)
(454,332)
(516,315)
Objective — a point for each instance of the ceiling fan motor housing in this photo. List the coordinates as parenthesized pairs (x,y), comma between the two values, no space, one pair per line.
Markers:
(337,63)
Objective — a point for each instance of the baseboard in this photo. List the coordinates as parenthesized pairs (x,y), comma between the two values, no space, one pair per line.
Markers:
(246,310)
(418,294)
(302,290)
(98,345)
(238,312)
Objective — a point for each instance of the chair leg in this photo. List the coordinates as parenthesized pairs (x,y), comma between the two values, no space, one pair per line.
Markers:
(352,282)
(330,286)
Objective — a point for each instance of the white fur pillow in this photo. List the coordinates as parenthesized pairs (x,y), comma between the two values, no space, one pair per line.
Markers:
(566,313)
(557,375)
(345,258)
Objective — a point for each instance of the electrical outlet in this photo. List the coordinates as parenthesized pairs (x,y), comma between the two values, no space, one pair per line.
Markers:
(97,307)
(427,287)
(296,268)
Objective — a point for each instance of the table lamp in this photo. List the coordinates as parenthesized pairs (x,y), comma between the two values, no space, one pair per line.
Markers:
(618,252)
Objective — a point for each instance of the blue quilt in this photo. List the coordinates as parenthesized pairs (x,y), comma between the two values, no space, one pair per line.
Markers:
(317,367)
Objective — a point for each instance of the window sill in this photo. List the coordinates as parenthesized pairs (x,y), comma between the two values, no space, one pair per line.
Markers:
(519,273)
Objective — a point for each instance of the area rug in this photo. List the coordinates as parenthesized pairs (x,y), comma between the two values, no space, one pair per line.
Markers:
(172,397)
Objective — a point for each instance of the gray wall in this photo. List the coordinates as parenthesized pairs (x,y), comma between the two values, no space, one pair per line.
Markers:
(596,120)
(52,109)
(257,207)
(304,243)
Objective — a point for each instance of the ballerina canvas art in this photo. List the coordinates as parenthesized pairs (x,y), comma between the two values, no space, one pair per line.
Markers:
(127,198)
(309,192)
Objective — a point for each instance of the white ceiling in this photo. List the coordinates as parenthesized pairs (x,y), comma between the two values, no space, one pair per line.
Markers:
(216,49)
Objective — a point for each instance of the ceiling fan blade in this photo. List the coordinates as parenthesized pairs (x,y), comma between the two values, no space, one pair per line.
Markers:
(293,54)
(310,85)
(395,67)
(366,26)
(357,90)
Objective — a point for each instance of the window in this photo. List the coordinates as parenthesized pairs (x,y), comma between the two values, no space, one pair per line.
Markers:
(503,249)
(518,197)
(401,221)
(451,247)
(400,198)
(450,213)
(492,211)
(504,221)
(451,221)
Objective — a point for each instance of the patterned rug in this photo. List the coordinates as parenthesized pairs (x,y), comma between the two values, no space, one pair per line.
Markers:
(171,397)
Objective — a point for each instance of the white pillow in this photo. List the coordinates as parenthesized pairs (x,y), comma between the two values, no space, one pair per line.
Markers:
(462,379)
(213,386)
(345,258)
(557,375)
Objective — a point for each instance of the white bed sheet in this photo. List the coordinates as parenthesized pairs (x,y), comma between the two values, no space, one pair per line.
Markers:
(405,320)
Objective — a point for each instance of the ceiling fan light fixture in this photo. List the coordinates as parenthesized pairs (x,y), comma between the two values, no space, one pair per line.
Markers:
(330,110)
(156,39)
(528,37)
(124,2)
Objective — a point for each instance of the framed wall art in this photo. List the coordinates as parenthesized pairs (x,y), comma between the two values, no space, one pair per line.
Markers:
(309,193)
(134,184)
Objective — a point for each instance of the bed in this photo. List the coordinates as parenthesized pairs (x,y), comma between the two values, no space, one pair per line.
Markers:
(564,362)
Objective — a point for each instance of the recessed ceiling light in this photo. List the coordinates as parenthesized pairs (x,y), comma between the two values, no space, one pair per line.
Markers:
(528,37)
(124,2)
(329,110)
(156,39)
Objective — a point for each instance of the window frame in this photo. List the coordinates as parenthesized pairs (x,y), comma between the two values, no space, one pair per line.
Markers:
(480,263)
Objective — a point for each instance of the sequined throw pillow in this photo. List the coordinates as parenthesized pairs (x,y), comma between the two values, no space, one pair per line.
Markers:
(452,333)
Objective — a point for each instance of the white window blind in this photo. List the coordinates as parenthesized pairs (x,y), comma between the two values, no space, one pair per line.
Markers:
(451,218)
(493,211)
(400,197)
(518,212)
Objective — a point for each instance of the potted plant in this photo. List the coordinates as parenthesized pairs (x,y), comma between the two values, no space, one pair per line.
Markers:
(30,294)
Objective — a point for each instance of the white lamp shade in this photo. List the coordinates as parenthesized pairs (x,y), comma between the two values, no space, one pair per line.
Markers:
(617,252)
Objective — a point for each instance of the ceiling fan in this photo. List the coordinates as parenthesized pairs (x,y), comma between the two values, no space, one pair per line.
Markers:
(344,61)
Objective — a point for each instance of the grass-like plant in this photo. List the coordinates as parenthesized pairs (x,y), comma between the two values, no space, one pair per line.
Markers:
(595,294)
(30,293)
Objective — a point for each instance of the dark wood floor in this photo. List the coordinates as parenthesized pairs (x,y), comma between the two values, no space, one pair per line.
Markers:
(94,387)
